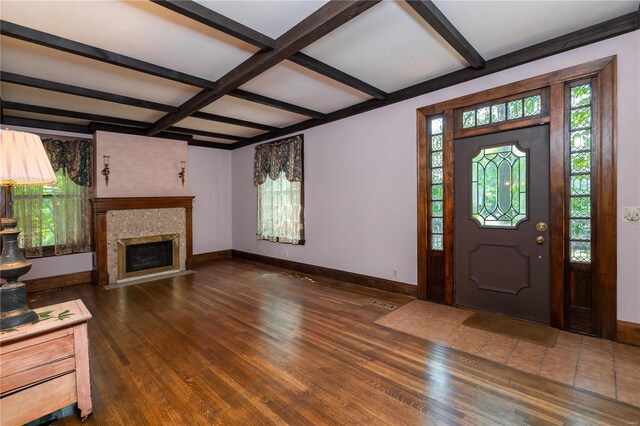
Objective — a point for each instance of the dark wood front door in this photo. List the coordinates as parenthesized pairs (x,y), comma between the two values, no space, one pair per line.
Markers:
(501,223)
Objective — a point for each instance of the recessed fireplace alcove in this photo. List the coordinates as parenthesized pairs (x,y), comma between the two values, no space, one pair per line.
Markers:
(141,256)
(143,219)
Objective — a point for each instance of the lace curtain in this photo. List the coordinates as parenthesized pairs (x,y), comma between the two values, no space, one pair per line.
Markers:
(58,215)
(278,176)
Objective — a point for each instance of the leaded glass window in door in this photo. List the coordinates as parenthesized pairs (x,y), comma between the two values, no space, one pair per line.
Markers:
(499,186)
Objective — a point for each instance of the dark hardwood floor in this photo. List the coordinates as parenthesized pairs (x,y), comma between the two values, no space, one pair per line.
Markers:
(244,343)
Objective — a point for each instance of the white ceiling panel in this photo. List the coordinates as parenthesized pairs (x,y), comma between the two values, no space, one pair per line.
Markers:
(251,111)
(299,86)
(272,18)
(46,98)
(389,46)
(140,29)
(214,126)
(495,28)
(208,139)
(25,58)
(45,117)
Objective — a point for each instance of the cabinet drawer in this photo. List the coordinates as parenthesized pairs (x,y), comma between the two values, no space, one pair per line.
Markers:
(32,356)
(9,384)
(34,402)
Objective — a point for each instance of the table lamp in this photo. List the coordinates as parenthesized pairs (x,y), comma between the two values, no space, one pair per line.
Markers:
(23,161)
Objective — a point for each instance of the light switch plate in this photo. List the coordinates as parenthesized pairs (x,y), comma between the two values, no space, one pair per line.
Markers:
(631,214)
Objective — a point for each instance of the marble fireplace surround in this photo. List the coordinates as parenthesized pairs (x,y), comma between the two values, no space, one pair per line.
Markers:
(127,217)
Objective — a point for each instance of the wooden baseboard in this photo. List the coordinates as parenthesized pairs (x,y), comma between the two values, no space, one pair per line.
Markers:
(212,255)
(335,274)
(57,281)
(629,333)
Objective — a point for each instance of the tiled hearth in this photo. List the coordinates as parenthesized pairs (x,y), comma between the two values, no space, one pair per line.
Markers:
(600,366)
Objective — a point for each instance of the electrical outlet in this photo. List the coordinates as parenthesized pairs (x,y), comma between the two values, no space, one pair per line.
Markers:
(631,214)
(286,254)
(395,274)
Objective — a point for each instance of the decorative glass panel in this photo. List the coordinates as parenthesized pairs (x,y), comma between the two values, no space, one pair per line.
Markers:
(437,209)
(499,186)
(436,159)
(580,251)
(580,140)
(581,95)
(579,115)
(580,118)
(580,229)
(436,143)
(581,207)
(436,225)
(436,192)
(514,109)
(581,162)
(436,175)
(436,126)
(484,116)
(436,242)
(581,185)
(532,105)
(498,113)
(469,119)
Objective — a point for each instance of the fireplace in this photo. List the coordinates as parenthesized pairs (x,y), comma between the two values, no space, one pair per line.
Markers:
(148,255)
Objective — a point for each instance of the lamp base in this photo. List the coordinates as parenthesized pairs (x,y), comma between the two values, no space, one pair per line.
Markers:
(14,309)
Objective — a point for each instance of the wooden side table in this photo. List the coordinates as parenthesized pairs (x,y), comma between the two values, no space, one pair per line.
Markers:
(45,366)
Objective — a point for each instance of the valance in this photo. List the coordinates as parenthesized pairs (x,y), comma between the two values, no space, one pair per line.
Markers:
(277,157)
(74,156)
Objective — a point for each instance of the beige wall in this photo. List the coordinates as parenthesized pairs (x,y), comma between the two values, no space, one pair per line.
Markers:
(140,166)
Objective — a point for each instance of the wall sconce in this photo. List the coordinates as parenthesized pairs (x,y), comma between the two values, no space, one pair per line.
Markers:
(105,172)
(181,174)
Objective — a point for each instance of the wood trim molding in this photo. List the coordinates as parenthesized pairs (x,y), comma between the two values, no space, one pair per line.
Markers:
(212,255)
(604,298)
(57,281)
(628,332)
(334,274)
(102,205)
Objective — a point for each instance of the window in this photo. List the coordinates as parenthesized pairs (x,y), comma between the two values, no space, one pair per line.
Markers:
(580,131)
(55,219)
(436,132)
(516,109)
(499,186)
(278,177)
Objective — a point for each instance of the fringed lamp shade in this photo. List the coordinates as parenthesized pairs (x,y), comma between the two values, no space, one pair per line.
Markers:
(23,160)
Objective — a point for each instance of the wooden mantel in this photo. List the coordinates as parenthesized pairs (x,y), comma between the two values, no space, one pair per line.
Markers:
(102,205)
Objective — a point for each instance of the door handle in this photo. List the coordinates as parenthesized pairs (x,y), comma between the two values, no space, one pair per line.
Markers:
(540,239)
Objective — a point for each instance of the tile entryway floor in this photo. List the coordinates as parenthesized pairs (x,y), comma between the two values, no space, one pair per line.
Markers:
(600,366)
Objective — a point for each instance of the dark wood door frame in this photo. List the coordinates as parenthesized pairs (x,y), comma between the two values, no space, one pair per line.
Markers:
(435,269)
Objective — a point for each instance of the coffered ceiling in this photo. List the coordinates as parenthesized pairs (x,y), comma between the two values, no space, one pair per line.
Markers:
(226,74)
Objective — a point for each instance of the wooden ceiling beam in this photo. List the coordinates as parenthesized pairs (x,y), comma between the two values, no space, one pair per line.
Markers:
(598,32)
(84,92)
(264,100)
(235,121)
(321,22)
(97,118)
(436,19)
(200,13)
(205,133)
(212,19)
(70,46)
(40,38)
(16,106)
(337,75)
